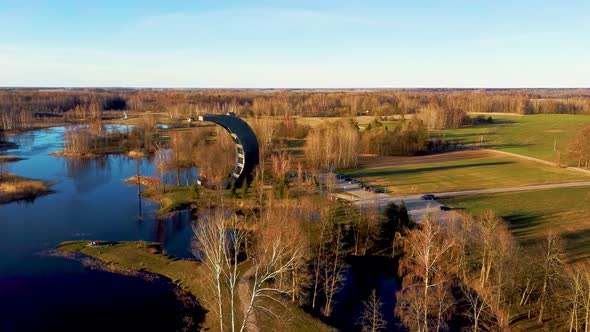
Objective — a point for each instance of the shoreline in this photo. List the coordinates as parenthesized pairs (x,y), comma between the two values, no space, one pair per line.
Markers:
(140,259)
(192,313)
(188,275)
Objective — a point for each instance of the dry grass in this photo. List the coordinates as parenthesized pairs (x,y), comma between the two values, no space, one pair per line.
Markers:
(10,159)
(15,188)
(148,181)
(136,154)
(73,154)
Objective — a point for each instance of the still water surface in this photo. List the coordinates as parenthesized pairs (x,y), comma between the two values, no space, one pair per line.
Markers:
(40,293)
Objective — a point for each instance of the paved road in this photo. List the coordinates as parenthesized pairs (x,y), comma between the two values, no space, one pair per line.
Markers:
(417,207)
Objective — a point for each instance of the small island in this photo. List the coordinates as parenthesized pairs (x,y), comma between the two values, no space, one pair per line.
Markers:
(17,188)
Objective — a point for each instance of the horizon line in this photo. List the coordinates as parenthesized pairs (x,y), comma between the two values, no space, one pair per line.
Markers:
(57,87)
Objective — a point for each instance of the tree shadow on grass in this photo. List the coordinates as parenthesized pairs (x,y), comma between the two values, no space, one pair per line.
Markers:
(497,123)
(390,172)
(505,146)
(576,244)
(455,136)
(295,143)
(523,225)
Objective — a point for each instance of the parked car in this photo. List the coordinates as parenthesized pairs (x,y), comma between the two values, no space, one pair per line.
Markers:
(348,180)
(378,190)
(445,208)
(427,197)
(355,181)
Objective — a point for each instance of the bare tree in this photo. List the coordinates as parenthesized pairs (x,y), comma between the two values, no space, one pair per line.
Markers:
(275,256)
(574,297)
(77,140)
(281,163)
(334,146)
(277,253)
(334,268)
(425,278)
(365,228)
(477,307)
(486,231)
(551,264)
(327,259)
(212,248)
(214,155)
(579,147)
(371,319)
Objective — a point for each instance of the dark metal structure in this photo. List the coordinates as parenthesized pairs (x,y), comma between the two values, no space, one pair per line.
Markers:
(247,154)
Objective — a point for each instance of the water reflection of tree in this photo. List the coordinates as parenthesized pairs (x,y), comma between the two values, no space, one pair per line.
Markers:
(24,140)
(166,228)
(87,174)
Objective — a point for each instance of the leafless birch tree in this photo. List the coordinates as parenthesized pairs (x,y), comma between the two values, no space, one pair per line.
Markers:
(371,319)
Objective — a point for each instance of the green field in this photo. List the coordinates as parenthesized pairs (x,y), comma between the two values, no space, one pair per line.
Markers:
(530,214)
(465,174)
(529,135)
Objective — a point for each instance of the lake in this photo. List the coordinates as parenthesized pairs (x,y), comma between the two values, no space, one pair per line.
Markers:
(41,293)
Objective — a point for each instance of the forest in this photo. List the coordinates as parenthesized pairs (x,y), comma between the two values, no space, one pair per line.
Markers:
(19,106)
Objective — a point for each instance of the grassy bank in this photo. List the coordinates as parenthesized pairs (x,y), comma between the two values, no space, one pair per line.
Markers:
(174,199)
(530,214)
(16,188)
(475,173)
(530,135)
(189,275)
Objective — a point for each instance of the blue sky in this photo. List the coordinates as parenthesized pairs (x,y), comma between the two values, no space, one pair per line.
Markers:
(306,44)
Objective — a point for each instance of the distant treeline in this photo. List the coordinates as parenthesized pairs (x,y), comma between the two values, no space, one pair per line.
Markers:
(18,107)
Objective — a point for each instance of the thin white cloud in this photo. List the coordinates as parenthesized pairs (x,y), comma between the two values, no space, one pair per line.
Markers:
(285,16)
